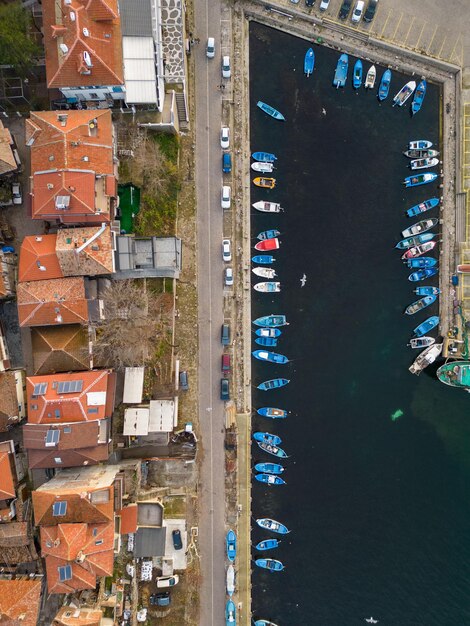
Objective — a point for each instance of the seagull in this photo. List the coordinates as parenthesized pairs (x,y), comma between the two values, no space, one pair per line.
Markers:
(371,620)
(323,111)
(303,280)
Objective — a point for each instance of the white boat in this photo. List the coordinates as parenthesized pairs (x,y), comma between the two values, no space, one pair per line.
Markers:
(264,272)
(421,342)
(230,580)
(404,93)
(420,227)
(420,144)
(267,207)
(263,167)
(421,164)
(425,358)
(370,77)
(268,287)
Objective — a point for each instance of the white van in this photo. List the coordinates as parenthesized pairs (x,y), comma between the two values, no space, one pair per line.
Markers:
(210,50)
(167,581)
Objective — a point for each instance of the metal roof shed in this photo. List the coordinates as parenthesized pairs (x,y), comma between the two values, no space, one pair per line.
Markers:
(136,422)
(162,416)
(133,385)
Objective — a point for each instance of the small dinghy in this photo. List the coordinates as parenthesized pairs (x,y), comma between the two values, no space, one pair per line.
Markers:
(427,357)
(267,207)
(422,262)
(357,74)
(271,321)
(267,342)
(269,468)
(267,544)
(421,164)
(263,259)
(421,154)
(384,86)
(427,291)
(422,207)
(426,326)
(231,545)
(420,144)
(268,332)
(269,110)
(267,244)
(272,412)
(423,274)
(271,524)
(370,77)
(264,272)
(267,437)
(274,383)
(230,613)
(267,157)
(420,227)
(309,62)
(266,183)
(421,342)
(268,234)
(417,251)
(414,240)
(418,97)
(270,479)
(268,287)
(230,580)
(270,357)
(271,449)
(420,179)
(273,565)
(262,167)
(420,304)
(405,92)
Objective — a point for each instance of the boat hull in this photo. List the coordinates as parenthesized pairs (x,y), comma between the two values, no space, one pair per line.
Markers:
(268,234)
(426,326)
(270,357)
(230,613)
(421,262)
(370,77)
(420,227)
(263,259)
(270,479)
(420,304)
(269,468)
(267,437)
(269,110)
(414,240)
(268,332)
(271,321)
(272,449)
(420,144)
(423,274)
(357,74)
(267,342)
(266,157)
(422,207)
(456,374)
(420,179)
(273,565)
(418,97)
(421,342)
(231,545)
(273,525)
(268,287)
(267,244)
(426,358)
(341,72)
(309,62)
(384,86)
(272,412)
(275,383)
(267,207)
(427,291)
(417,251)
(404,93)
(267,544)
(266,183)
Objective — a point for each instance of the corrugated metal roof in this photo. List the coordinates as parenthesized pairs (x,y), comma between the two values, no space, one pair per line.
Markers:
(133,385)
(136,17)
(139,70)
(149,542)
(162,416)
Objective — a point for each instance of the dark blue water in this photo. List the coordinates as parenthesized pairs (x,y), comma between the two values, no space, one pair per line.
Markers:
(379,509)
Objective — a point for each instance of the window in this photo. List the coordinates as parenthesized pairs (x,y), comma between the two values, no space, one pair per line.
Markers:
(59,508)
(34,407)
(70,386)
(39,389)
(57,413)
(100,496)
(52,437)
(58,460)
(67,429)
(95,532)
(98,542)
(117,89)
(93,409)
(65,572)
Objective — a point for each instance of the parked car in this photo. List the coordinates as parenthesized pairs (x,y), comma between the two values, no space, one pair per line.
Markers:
(370,11)
(226,163)
(358,11)
(225,197)
(228,277)
(309,3)
(168,581)
(226,73)
(324,4)
(344,10)
(16,193)
(163,599)
(224,389)
(210,50)
(225,335)
(184,383)
(176,537)
(226,364)
(226,250)
(225,138)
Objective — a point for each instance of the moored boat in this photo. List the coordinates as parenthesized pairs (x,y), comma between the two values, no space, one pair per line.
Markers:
(270,479)
(231,545)
(309,62)
(264,622)
(277,115)
(421,154)
(455,374)
(421,342)
(421,164)
(423,274)
(414,240)
(422,262)
(267,544)
(420,304)
(370,77)
(268,287)
(274,383)
(357,74)
(420,227)
(420,144)
(267,342)
(417,251)
(272,449)
(418,97)
(263,259)
(270,411)
(268,234)
(267,207)
(273,565)
(262,166)
(272,525)
(269,468)
(405,92)
(230,613)
(270,357)
(341,72)
(267,244)
(264,272)
(384,86)
(266,183)
(426,326)
(420,179)
(267,157)
(271,321)
(267,437)
(268,332)
(230,580)
(427,291)
(427,357)
(422,207)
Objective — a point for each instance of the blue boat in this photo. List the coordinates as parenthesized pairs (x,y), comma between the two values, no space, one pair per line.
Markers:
(341,73)
(271,524)
(267,544)
(270,479)
(421,262)
(420,144)
(272,449)
(423,274)
(427,291)
(384,86)
(418,97)
(270,357)
(422,207)
(271,321)
(264,622)
(231,545)
(309,62)
(268,234)
(264,157)
(267,342)
(426,326)
(420,304)
(416,240)
(267,437)
(230,613)
(268,332)
(274,383)
(270,110)
(419,179)
(263,259)
(270,411)
(273,565)
(357,74)
(269,468)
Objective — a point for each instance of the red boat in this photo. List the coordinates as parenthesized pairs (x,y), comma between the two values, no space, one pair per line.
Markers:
(268,244)
(419,250)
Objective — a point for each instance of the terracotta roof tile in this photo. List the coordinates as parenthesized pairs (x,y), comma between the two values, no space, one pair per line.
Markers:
(19,602)
(38,259)
(7,481)
(60,349)
(96,256)
(52,302)
(128,519)
(96,30)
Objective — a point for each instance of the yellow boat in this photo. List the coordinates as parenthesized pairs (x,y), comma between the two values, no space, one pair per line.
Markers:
(268,183)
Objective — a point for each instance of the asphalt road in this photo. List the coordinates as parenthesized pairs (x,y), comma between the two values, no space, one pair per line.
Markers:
(208,22)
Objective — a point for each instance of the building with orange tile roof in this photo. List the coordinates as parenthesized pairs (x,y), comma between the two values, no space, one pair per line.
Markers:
(52,302)
(128,515)
(12,398)
(70,397)
(83,45)
(61,349)
(20,600)
(71,616)
(38,259)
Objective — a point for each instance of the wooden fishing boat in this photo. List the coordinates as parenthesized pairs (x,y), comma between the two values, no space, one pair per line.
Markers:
(267,157)
(262,166)
(455,374)
(231,545)
(425,358)
(264,622)
(417,251)
(271,524)
(370,77)
(270,479)
(423,262)
(274,383)
(418,97)
(263,259)
(341,72)
(427,291)
(420,304)
(269,411)
(268,234)
(230,613)
(271,321)
(420,227)
(384,86)
(405,92)
(309,62)
(419,179)
(269,468)
(419,144)
(426,326)
(273,565)
(266,183)
(427,205)
(274,440)
(270,357)
(267,544)
(421,164)
(357,74)
(267,207)
(423,274)
(270,110)
(268,332)
(266,342)
(271,449)
(421,342)
(421,154)
(414,240)
(267,244)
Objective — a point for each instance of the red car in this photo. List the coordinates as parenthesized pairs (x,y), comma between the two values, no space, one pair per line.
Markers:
(226,364)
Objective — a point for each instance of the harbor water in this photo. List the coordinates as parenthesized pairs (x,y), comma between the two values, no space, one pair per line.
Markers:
(377,495)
